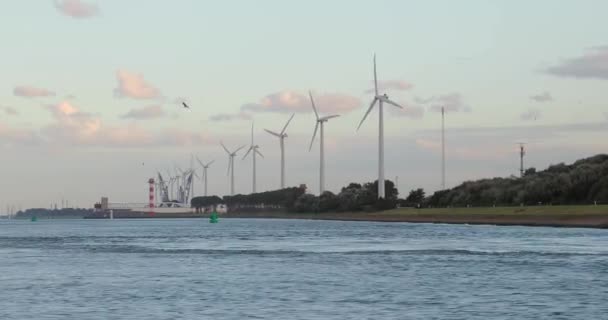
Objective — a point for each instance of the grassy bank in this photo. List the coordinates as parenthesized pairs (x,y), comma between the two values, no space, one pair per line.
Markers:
(551,216)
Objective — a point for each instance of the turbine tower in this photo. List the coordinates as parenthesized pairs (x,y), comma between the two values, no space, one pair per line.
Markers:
(231,156)
(442,148)
(254,150)
(205,168)
(282,137)
(320,123)
(380,99)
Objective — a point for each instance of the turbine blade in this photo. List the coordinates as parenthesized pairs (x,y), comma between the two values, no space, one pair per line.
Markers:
(200,162)
(314,108)
(210,163)
(239,149)
(272,133)
(314,135)
(329,117)
(288,121)
(223,146)
(371,106)
(259,153)
(252,133)
(393,103)
(375,76)
(248,151)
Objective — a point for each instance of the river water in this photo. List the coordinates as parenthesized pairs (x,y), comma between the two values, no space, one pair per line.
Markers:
(295,269)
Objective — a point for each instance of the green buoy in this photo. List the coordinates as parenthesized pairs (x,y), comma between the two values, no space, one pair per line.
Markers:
(34,218)
(213,218)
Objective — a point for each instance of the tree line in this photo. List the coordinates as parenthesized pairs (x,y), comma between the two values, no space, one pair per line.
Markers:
(354,197)
(54,213)
(583,182)
(277,199)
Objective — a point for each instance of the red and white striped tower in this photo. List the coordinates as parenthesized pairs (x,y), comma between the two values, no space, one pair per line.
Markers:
(152,205)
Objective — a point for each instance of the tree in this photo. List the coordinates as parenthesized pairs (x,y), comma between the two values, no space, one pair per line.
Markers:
(348,200)
(415,197)
(530,171)
(389,189)
(307,203)
(578,183)
(328,202)
(352,186)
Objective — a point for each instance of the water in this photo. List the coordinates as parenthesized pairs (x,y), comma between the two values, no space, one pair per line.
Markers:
(276,269)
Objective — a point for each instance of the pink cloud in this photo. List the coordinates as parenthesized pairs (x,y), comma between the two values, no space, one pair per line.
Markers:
(13,136)
(230,117)
(74,127)
(396,85)
(542,97)
(145,113)
(32,92)
(133,85)
(76,8)
(290,101)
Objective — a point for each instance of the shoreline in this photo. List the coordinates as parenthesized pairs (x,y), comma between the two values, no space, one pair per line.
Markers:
(578,223)
(587,216)
(528,217)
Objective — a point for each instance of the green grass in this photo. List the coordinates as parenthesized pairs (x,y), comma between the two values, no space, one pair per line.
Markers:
(582,210)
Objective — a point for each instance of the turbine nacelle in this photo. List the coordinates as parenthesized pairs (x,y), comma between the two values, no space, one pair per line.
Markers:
(282,134)
(320,120)
(326,118)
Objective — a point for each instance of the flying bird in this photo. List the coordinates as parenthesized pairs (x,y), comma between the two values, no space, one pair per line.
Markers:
(185,105)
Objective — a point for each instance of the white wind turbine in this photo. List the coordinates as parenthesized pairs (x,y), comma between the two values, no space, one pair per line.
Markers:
(380,99)
(320,123)
(282,137)
(205,168)
(254,150)
(231,156)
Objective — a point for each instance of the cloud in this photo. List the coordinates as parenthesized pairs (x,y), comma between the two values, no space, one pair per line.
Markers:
(531,114)
(230,117)
(592,65)
(290,101)
(145,113)
(451,102)
(32,92)
(542,97)
(396,85)
(73,127)
(76,8)
(133,85)
(12,136)
(9,111)
(72,124)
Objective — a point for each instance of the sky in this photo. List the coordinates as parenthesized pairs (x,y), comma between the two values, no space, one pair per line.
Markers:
(90,91)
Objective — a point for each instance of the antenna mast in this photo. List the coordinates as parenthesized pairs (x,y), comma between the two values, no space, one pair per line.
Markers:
(522,153)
